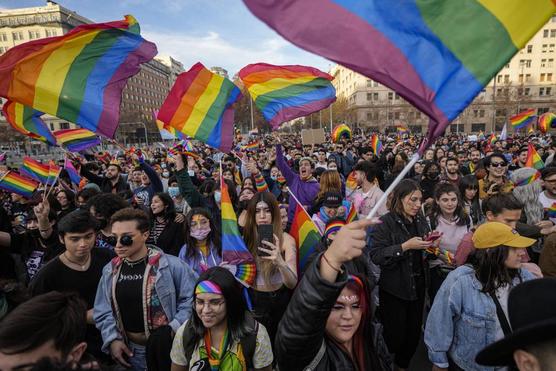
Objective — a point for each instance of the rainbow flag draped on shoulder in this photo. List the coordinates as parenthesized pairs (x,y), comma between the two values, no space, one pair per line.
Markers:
(305,233)
(234,251)
(79,76)
(284,93)
(199,105)
(437,54)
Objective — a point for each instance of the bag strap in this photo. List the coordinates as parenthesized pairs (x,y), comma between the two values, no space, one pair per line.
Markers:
(506,328)
(313,365)
(188,343)
(249,344)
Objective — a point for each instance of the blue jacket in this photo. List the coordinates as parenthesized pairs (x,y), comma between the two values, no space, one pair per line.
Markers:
(462,320)
(174,284)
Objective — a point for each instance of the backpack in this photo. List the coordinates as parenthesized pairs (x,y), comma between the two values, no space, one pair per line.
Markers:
(248,343)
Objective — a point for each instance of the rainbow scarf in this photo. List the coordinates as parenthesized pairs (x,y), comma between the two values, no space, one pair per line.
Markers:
(35,169)
(284,93)
(467,42)
(13,182)
(76,140)
(546,121)
(305,233)
(234,251)
(341,131)
(533,158)
(28,122)
(523,119)
(200,106)
(214,357)
(528,180)
(207,287)
(376,144)
(78,77)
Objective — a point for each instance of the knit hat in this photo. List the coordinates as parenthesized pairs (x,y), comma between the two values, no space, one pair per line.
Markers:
(524,176)
(494,234)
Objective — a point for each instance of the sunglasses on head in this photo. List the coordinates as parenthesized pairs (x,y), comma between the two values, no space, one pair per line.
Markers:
(124,240)
(497,164)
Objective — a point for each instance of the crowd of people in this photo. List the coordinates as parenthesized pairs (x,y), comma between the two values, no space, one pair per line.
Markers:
(125,269)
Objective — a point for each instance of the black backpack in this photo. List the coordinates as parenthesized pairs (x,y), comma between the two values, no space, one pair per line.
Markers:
(248,343)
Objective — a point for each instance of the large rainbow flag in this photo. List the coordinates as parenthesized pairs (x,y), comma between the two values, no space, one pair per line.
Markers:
(76,140)
(306,234)
(27,121)
(200,106)
(437,54)
(234,251)
(13,182)
(79,76)
(533,158)
(35,169)
(523,119)
(283,93)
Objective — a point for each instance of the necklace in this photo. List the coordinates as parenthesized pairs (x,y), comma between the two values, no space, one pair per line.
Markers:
(133,264)
(83,267)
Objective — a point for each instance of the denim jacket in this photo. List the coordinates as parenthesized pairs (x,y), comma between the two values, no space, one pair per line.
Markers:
(462,320)
(174,284)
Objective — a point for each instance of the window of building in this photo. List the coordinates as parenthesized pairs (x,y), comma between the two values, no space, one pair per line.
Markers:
(369,83)
(455,128)
(390,95)
(551,48)
(543,62)
(499,78)
(506,79)
(548,77)
(553,19)
(550,63)
(520,78)
(527,77)
(545,33)
(548,91)
(51,126)
(544,48)
(396,115)
(478,127)
(3,37)
(542,110)
(501,112)
(543,75)
(64,125)
(34,35)
(553,33)
(541,91)
(418,115)
(375,96)
(369,96)
(369,116)
(529,49)
(390,115)
(18,35)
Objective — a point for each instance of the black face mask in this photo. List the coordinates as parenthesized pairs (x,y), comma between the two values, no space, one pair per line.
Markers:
(433,175)
(35,233)
(102,223)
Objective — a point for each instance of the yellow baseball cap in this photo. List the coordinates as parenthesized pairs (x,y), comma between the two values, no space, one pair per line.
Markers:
(494,234)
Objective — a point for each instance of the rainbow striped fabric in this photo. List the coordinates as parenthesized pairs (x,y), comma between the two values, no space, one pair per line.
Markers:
(523,119)
(207,287)
(351,183)
(284,93)
(27,121)
(79,76)
(72,172)
(533,158)
(53,172)
(306,235)
(76,140)
(492,139)
(35,170)
(401,130)
(234,251)
(251,146)
(341,131)
(551,211)
(529,180)
(167,132)
(13,182)
(200,106)
(396,43)
(376,144)
(546,121)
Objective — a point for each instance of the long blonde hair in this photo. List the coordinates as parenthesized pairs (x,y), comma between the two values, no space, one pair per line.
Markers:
(329,182)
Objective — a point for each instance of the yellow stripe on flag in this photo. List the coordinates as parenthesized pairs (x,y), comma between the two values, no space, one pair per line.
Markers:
(277,84)
(203,105)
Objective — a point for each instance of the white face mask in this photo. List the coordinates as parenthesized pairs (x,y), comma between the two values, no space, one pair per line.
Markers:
(217,196)
(165,174)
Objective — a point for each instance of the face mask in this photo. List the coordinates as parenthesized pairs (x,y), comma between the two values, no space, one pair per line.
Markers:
(165,174)
(173,191)
(35,233)
(200,234)
(433,175)
(217,196)
(273,177)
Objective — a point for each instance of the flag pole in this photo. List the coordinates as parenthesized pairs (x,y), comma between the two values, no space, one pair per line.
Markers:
(252,118)
(396,181)
(302,207)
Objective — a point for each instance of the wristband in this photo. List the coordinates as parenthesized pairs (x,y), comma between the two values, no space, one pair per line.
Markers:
(330,265)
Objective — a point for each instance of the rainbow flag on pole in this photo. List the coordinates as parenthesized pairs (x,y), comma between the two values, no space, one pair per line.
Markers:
(35,169)
(546,121)
(53,172)
(533,158)
(523,119)
(396,43)
(284,93)
(234,251)
(72,172)
(13,182)
(376,144)
(251,146)
(306,234)
(78,76)
(200,106)
(76,140)
(27,121)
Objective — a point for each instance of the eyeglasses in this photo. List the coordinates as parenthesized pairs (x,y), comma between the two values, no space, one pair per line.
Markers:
(211,304)
(124,240)
(498,164)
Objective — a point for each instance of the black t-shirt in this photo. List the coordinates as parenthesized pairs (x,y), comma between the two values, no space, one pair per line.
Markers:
(129,295)
(35,252)
(102,241)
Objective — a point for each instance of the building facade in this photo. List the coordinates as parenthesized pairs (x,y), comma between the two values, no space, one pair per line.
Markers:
(527,81)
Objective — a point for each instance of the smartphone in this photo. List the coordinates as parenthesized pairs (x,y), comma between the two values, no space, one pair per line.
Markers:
(433,236)
(266,233)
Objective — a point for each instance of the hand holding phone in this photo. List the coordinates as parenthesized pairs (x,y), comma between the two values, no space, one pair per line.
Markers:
(432,236)
(266,233)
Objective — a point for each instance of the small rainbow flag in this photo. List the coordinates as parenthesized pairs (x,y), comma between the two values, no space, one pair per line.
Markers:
(76,140)
(35,170)
(529,180)
(200,106)
(341,131)
(401,130)
(53,172)
(546,121)
(251,146)
(72,172)
(351,183)
(551,211)
(533,158)
(351,212)
(79,76)
(27,121)
(284,93)
(234,251)
(306,234)
(13,182)
(522,119)
(376,144)
(492,139)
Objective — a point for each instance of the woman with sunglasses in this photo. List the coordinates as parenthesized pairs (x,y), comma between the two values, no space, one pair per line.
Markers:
(141,291)
(496,180)
(221,334)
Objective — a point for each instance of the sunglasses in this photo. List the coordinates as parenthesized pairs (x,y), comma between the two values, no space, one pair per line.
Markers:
(498,164)
(124,240)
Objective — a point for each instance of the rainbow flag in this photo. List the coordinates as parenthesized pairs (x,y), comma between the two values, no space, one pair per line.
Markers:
(533,158)
(234,251)
(167,132)
(200,106)
(341,131)
(376,144)
(306,234)
(35,170)
(351,183)
(72,172)
(79,76)
(529,180)
(284,93)
(492,139)
(467,42)
(53,172)
(27,121)
(13,182)
(251,146)
(551,211)
(522,119)
(76,140)
(546,121)
(401,130)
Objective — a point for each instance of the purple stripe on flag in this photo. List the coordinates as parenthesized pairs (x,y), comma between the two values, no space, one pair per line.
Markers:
(287,113)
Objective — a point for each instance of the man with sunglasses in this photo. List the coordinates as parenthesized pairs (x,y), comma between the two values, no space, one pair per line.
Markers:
(142,291)
(496,180)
